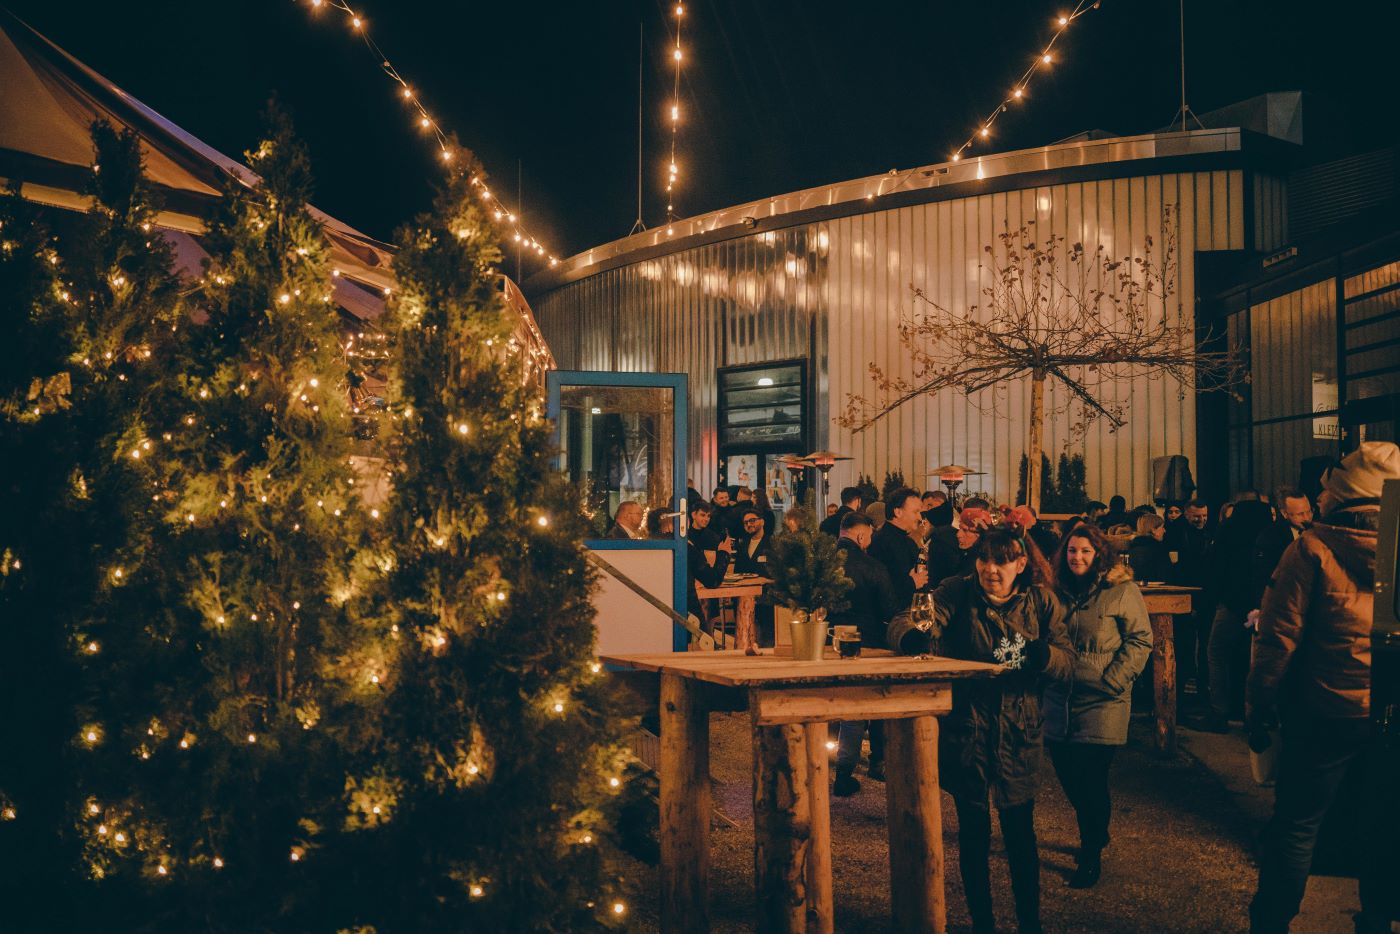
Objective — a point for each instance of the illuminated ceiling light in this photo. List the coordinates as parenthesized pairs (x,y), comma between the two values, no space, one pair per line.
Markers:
(765,381)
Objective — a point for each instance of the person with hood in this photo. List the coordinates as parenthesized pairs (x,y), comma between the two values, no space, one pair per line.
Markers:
(1312,675)
(1086,718)
(1236,593)
(1117,513)
(943,551)
(989,744)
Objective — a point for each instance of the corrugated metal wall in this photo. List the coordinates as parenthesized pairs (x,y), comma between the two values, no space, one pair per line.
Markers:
(833,292)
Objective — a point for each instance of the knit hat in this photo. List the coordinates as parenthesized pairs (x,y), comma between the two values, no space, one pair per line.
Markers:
(1363,471)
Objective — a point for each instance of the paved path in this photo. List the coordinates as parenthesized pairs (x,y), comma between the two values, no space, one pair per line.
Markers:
(1181,858)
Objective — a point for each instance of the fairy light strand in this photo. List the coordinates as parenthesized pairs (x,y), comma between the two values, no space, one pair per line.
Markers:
(507,218)
(677,57)
(1017,94)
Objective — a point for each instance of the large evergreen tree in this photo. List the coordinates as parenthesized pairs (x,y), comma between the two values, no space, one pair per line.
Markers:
(89,309)
(230,689)
(499,756)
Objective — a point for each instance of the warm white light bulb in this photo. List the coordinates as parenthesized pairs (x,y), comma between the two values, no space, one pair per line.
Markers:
(1063,21)
(618,908)
(543,521)
(677,54)
(252,737)
(614,781)
(1045,58)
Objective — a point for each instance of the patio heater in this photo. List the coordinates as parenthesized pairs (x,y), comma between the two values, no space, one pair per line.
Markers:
(796,467)
(952,476)
(824,461)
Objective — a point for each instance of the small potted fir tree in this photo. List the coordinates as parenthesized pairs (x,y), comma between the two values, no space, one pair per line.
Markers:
(809,578)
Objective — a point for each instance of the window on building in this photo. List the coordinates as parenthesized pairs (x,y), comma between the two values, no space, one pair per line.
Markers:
(763,408)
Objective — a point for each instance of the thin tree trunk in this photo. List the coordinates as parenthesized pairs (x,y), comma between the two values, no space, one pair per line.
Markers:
(1036,440)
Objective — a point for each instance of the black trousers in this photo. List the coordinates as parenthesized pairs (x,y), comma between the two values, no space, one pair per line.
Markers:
(1022,857)
(1317,755)
(1083,772)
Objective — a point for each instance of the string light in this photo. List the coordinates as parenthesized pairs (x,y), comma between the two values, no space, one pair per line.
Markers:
(1018,88)
(426,121)
(677,57)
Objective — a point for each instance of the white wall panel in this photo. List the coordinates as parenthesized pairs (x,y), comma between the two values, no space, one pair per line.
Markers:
(833,293)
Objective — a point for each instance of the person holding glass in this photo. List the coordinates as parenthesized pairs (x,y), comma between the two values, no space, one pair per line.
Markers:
(1086,718)
(990,743)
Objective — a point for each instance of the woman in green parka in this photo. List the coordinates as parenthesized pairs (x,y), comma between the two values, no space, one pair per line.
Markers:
(990,743)
(1086,718)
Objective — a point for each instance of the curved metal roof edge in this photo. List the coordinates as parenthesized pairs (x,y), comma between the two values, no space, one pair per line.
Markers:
(866,194)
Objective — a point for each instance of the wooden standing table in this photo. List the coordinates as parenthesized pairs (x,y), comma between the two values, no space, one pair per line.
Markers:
(745,592)
(789,704)
(1163,604)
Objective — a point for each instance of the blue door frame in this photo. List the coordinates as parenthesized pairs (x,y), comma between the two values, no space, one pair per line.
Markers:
(677,383)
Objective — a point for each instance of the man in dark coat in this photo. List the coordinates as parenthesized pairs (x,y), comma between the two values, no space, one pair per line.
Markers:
(1231,565)
(895,548)
(943,551)
(751,545)
(1295,515)
(871,607)
(1189,540)
(851,500)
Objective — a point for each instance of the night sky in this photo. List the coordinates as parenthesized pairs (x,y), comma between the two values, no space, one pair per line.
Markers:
(779,95)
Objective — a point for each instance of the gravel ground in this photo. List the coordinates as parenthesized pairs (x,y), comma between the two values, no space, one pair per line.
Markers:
(1181,858)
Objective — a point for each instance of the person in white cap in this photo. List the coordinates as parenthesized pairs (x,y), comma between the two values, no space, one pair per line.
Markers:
(1311,673)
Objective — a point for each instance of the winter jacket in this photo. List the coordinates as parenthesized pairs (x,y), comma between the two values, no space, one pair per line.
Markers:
(1191,546)
(871,599)
(893,548)
(1313,651)
(944,555)
(831,525)
(1231,562)
(1268,551)
(991,740)
(1150,559)
(1112,638)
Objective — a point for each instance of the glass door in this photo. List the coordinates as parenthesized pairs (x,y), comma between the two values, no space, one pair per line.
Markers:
(621,442)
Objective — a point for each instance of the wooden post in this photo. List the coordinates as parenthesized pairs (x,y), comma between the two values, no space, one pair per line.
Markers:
(685,807)
(782,824)
(745,632)
(1164,680)
(819,903)
(915,825)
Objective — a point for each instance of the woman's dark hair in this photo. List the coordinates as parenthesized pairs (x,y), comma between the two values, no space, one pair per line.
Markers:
(1103,554)
(1117,504)
(1002,545)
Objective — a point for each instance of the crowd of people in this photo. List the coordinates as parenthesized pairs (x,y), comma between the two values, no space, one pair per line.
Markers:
(1280,635)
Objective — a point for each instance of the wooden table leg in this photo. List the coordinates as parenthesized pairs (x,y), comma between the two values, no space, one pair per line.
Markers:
(915,817)
(819,903)
(1164,680)
(782,818)
(685,807)
(745,632)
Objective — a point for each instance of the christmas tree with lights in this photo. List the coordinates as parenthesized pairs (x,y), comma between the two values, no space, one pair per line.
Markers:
(225,690)
(90,308)
(499,757)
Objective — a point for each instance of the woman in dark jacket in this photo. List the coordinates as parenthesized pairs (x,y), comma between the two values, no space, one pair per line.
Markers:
(990,743)
(1086,718)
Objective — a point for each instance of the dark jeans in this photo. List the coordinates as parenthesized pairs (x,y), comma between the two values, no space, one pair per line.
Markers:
(848,743)
(1083,772)
(1022,857)
(1229,660)
(1316,756)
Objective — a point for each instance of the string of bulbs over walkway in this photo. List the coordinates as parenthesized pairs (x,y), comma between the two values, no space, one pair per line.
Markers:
(426,122)
(1045,59)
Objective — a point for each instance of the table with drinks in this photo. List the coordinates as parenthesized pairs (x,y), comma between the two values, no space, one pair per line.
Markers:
(790,702)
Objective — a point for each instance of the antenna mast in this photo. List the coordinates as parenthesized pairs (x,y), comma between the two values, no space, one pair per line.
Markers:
(639,225)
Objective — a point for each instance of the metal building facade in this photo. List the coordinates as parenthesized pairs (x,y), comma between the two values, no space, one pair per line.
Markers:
(824,276)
